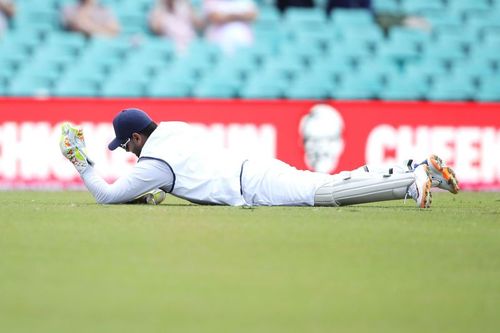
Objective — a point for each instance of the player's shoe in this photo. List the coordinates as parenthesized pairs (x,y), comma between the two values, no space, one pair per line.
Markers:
(420,190)
(154,197)
(442,175)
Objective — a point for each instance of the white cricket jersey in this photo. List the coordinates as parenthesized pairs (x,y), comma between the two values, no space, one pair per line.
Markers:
(177,160)
(145,176)
(202,173)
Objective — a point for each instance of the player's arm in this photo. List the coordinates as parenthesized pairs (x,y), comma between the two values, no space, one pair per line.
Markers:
(146,176)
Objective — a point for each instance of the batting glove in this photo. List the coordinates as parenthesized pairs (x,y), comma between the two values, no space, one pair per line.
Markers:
(72,145)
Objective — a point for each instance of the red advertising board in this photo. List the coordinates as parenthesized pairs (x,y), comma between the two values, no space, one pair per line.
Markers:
(325,136)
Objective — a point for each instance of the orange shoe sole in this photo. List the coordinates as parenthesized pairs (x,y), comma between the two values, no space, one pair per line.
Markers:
(446,172)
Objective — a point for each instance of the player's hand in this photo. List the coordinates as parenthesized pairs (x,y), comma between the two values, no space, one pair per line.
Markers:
(72,145)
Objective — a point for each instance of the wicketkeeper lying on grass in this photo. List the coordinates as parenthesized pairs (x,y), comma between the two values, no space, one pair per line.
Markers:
(173,159)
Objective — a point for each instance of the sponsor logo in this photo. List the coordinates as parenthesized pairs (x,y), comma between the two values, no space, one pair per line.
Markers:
(321,131)
(472,151)
(30,155)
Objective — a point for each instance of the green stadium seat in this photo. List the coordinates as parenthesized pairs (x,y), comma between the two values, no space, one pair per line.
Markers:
(261,50)
(449,88)
(36,16)
(473,70)
(415,76)
(156,47)
(310,86)
(268,37)
(132,22)
(491,36)
(143,67)
(131,6)
(76,88)
(332,67)
(487,52)
(66,40)
(400,51)
(7,73)
(469,6)
(150,56)
(212,87)
(225,74)
(261,90)
(313,38)
(9,63)
(176,73)
(172,81)
(363,36)
(202,48)
(30,85)
(110,47)
(289,30)
(358,85)
(139,74)
(16,52)
(442,18)
(60,3)
(403,87)
(408,36)
(86,71)
(489,90)
(123,87)
(305,50)
(418,6)
(116,47)
(307,18)
(283,67)
(169,89)
(346,18)
(386,6)
(460,36)
(21,38)
(444,50)
(268,15)
(53,54)
(94,61)
(428,68)
(50,71)
(381,68)
(482,25)
(195,65)
(243,62)
(495,7)
(353,49)
(264,85)
(270,34)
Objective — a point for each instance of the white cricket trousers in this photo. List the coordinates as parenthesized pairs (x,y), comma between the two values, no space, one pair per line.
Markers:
(271,182)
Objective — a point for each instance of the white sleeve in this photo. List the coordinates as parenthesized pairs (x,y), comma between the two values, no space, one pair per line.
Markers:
(147,175)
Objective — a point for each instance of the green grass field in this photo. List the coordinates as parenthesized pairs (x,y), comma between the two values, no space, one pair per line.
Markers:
(69,265)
